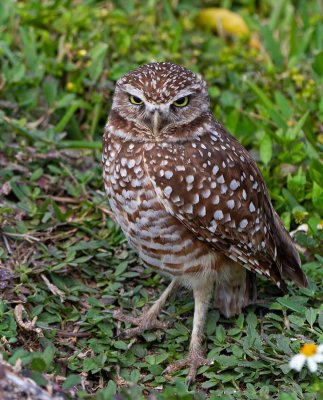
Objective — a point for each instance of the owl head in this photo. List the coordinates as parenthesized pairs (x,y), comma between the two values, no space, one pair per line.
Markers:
(158,98)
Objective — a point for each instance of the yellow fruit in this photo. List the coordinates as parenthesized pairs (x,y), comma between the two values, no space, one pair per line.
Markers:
(82,53)
(70,86)
(223,21)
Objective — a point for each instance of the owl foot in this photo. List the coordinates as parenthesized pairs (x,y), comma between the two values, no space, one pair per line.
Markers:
(148,320)
(193,361)
(143,323)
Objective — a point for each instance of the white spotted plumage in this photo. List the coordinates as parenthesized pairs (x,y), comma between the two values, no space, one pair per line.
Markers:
(184,190)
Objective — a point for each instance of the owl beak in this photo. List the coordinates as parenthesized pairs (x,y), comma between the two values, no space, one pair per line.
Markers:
(156,122)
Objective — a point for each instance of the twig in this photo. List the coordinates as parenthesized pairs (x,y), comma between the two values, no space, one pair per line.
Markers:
(54,289)
(6,243)
(73,334)
(118,380)
(23,235)
(28,325)
(65,199)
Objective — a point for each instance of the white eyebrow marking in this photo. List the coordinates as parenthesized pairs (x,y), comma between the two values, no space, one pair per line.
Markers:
(129,89)
(133,91)
(182,93)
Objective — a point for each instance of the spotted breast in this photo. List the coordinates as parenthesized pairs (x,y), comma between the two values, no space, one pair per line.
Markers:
(163,243)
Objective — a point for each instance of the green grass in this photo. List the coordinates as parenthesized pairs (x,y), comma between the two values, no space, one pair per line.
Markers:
(62,256)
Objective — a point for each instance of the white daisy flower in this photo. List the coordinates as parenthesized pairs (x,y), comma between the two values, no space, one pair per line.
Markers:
(311,354)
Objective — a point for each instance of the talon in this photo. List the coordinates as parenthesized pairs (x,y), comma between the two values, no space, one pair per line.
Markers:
(189,382)
(116,337)
(142,324)
(119,336)
(120,316)
(166,371)
(193,362)
(130,333)
(190,379)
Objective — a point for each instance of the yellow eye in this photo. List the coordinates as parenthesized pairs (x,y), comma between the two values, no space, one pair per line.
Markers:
(182,102)
(135,100)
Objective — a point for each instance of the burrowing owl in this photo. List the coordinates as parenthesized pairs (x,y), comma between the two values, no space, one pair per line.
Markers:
(190,199)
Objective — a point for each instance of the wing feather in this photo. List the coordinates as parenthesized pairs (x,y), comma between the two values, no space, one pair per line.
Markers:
(214,187)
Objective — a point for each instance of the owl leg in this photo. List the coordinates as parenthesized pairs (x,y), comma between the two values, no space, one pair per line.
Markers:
(195,357)
(148,320)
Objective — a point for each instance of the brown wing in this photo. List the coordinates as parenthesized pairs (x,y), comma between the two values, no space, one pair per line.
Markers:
(213,186)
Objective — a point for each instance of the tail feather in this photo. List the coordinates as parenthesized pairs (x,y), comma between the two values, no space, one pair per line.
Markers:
(231,298)
(288,260)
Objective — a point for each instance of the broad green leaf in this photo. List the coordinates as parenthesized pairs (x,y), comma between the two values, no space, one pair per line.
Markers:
(283,343)
(317,196)
(50,87)
(283,105)
(318,64)
(291,304)
(220,333)
(38,364)
(266,149)
(72,380)
(272,46)
(7,10)
(316,171)
(68,115)
(276,13)
(273,110)
(290,198)
(252,319)
(286,396)
(36,174)
(293,132)
(108,392)
(121,268)
(311,315)
(38,377)
(296,184)
(98,54)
